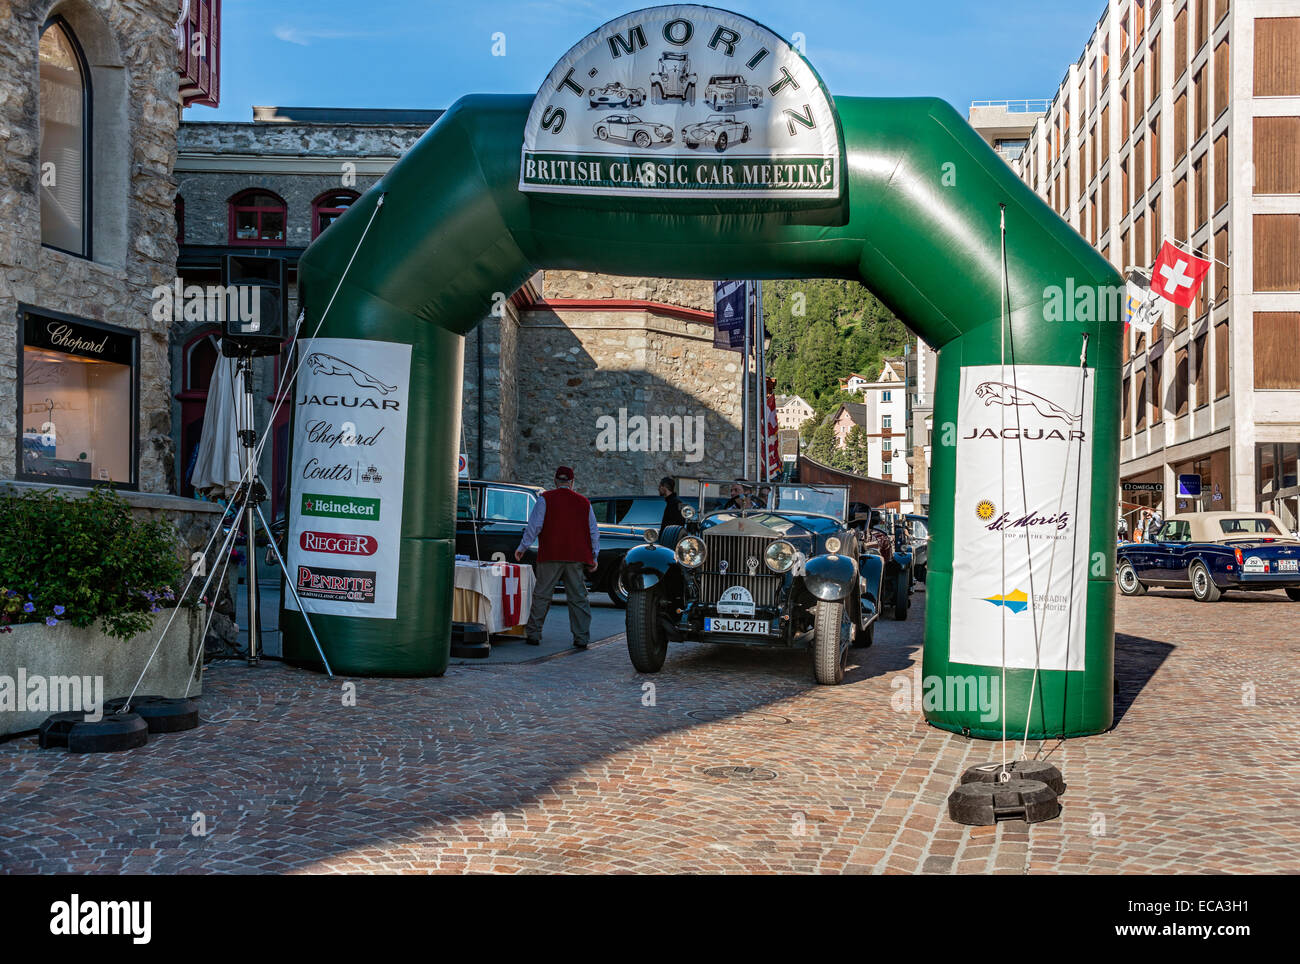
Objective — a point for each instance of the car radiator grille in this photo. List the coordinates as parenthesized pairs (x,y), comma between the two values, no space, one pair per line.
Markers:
(736,551)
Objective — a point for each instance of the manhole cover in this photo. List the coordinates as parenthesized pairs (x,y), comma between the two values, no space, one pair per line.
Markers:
(740,718)
(740,773)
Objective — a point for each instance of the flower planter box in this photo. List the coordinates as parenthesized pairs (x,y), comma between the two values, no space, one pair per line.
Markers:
(36,650)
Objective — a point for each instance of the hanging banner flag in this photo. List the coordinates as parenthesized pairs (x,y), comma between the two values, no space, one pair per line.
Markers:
(1024,435)
(683,101)
(773,449)
(729,315)
(1142,306)
(1177,275)
(349,464)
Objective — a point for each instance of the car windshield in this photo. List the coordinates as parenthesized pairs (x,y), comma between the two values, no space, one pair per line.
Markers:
(1233,527)
(717,118)
(725,80)
(831,500)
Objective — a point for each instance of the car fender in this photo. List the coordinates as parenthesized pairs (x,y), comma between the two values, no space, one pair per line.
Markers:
(646,565)
(830,578)
(872,569)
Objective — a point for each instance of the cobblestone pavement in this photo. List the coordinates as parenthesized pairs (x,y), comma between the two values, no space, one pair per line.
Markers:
(557,765)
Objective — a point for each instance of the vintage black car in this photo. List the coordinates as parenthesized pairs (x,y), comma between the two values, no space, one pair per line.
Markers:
(899,577)
(790,574)
(490,521)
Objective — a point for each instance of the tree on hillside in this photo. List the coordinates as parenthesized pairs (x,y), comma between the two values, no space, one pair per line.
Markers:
(823,447)
(855,449)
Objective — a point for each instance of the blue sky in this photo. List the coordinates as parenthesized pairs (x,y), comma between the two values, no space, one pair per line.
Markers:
(427,53)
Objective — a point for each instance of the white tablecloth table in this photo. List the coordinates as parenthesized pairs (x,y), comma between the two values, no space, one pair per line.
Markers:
(496,594)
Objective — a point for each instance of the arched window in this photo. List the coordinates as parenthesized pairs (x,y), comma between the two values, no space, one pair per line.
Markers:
(327,209)
(65,140)
(258,218)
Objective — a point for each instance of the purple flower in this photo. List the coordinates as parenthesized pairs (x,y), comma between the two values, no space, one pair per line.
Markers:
(58,610)
(29,607)
(155,609)
(51,621)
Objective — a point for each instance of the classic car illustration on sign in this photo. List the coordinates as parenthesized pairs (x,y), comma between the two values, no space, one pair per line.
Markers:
(719,131)
(730,90)
(788,575)
(630,127)
(1211,553)
(656,61)
(673,80)
(616,95)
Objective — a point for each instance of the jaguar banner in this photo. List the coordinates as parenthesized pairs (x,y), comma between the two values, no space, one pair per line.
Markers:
(683,101)
(349,460)
(1024,447)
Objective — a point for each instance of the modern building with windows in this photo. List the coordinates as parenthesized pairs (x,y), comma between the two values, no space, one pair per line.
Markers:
(1181,121)
(89,112)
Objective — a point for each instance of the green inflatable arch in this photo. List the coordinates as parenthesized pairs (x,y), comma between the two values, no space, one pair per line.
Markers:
(917,221)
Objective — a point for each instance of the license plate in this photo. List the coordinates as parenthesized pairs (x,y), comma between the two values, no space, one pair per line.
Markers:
(751,627)
(1288,565)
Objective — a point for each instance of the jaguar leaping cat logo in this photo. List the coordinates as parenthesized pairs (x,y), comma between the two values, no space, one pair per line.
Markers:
(323,364)
(1004,394)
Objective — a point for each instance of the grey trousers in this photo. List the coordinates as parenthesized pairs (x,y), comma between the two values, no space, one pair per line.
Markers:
(549,575)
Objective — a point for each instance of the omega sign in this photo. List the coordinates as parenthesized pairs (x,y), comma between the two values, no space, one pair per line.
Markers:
(683,101)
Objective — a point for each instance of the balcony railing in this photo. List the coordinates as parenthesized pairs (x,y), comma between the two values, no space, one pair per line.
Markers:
(1014,106)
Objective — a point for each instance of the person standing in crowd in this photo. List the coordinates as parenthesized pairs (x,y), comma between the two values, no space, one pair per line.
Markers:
(1157,520)
(568,543)
(672,503)
(764,497)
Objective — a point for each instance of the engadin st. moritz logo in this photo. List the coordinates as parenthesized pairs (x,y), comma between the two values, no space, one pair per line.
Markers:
(1015,601)
(683,100)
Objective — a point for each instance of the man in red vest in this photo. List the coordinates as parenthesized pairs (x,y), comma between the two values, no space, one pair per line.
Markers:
(569,543)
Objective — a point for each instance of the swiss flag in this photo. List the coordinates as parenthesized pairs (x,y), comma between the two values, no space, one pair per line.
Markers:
(1177,275)
(773,447)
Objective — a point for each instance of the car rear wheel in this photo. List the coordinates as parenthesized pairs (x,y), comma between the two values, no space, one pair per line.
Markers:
(901,600)
(647,644)
(1293,595)
(618,589)
(1129,583)
(642,139)
(744,135)
(830,642)
(1203,587)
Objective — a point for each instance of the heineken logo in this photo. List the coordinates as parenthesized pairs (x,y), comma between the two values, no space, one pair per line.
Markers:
(683,100)
(340,507)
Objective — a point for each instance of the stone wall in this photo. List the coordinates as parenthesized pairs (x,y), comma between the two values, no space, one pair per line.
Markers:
(583,371)
(132,59)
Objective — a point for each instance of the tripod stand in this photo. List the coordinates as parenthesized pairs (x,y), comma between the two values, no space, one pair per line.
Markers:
(249,496)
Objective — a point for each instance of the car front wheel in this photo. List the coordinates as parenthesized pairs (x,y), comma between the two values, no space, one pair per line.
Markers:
(830,642)
(1203,587)
(1129,583)
(642,139)
(617,589)
(602,133)
(901,600)
(647,644)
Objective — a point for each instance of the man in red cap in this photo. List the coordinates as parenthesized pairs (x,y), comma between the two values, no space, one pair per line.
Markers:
(568,543)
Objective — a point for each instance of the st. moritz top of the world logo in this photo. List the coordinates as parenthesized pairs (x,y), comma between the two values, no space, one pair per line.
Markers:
(683,101)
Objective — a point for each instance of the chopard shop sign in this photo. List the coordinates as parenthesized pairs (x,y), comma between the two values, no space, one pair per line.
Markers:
(55,334)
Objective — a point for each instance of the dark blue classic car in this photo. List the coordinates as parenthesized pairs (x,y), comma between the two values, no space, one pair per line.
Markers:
(781,570)
(1211,553)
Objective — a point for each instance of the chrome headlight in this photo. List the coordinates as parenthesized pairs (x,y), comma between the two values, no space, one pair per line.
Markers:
(690,552)
(688,513)
(651,535)
(779,556)
(832,545)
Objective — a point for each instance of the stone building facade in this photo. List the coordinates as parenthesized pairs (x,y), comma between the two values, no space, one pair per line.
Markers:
(568,353)
(88,120)
(615,376)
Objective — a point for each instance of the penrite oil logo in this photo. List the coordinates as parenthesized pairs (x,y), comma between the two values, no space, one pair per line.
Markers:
(340,507)
(341,585)
(338,542)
